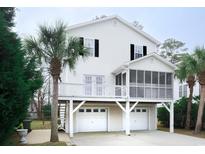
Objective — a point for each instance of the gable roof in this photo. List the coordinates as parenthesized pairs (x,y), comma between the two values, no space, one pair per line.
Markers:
(155,55)
(129,25)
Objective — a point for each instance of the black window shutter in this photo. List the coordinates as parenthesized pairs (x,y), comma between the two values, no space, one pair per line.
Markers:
(132,51)
(96,48)
(81,41)
(144,50)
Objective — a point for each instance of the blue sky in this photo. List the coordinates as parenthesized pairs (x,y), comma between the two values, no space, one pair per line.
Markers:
(184,24)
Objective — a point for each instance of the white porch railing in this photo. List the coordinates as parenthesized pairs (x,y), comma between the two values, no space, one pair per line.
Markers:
(70,89)
(115,91)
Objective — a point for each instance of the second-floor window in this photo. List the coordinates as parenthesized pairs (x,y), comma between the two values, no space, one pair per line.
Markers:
(92,45)
(137,51)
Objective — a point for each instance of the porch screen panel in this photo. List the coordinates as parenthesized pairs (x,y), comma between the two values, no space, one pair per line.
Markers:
(140,83)
(132,76)
(151,84)
(147,84)
(140,78)
(133,91)
(162,79)
(124,79)
(140,92)
(162,89)
(155,84)
(169,90)
(133,88)
(118,83)
(147,78)
(118,79)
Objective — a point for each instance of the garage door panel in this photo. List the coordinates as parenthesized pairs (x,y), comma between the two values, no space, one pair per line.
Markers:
(94,120)
(139,119)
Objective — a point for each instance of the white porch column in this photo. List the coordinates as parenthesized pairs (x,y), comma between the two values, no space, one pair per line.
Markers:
(127,119)
(127,107)
(149,121)
(66,117)
(156,120)
(71,118)
(171,113)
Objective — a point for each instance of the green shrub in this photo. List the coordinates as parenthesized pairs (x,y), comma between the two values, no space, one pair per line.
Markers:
(163,116)
(180,110)
(19,77)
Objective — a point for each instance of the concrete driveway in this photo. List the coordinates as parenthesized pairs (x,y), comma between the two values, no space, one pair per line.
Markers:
(43,135)
(139,138)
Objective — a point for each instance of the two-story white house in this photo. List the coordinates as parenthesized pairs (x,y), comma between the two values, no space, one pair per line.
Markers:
(118,87)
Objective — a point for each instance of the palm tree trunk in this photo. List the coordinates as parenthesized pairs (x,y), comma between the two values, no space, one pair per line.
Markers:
(189,104)
(200,110)
(54,111)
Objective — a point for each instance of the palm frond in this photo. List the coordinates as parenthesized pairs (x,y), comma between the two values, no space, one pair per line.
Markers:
(199,55)
(53,42)
(32,47)
(186,68)
(74,50)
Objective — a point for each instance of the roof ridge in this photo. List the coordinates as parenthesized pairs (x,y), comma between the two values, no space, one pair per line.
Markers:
(121,20)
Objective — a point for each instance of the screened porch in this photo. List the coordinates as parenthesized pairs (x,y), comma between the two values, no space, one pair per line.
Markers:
(145,84)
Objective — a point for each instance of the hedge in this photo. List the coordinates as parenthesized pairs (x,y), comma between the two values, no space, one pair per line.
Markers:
(180,109)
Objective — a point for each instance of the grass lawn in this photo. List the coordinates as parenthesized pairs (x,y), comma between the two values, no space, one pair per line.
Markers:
(183,131)
(38,124)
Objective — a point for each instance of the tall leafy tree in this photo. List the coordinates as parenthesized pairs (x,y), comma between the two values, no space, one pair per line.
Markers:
(19,76)
(172,50)
(8,14)
(185,72)
(199,56)
(54,46)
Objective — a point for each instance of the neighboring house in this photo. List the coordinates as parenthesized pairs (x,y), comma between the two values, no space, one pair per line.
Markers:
(118,87)
(182,89)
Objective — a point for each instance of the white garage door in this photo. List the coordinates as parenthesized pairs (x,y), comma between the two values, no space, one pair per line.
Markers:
(91,119)
(139,119)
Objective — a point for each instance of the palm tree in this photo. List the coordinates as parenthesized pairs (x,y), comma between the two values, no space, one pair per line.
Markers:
(199,56)
(185,71)
(56,48)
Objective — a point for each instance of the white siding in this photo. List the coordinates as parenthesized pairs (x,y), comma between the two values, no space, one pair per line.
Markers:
(151,64)
(114,50)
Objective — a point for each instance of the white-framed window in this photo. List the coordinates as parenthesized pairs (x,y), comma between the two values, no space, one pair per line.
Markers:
(138,51)
(183,90)
(90,45)
(94,85)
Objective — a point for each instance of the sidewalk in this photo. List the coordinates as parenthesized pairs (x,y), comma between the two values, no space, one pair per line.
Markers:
(43,135)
